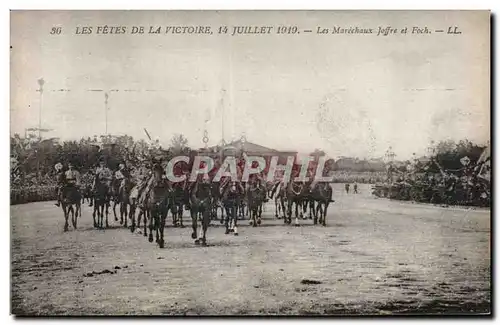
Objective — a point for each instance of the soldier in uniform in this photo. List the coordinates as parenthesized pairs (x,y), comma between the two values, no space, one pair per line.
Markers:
(60,182)
(102,174)
(121,174)
(72,176)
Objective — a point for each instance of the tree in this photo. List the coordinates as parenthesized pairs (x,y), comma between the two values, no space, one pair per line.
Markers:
(179,144)
(318,153)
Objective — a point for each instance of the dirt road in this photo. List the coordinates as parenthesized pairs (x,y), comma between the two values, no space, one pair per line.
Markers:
(374,257)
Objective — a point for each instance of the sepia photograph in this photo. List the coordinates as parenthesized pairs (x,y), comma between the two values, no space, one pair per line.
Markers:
(250,163)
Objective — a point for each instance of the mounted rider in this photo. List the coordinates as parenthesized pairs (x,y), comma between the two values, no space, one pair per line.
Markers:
(141,176)
(60,182)
(259,181)
(120,176)
(72,176)
(103,175)
(69,178)
(149,181)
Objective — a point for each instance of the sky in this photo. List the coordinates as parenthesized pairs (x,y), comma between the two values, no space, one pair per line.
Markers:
(349,95)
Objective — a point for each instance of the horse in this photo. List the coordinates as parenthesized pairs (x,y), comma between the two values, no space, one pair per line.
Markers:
(295,195)
(114,195)
(133,201)
(123,198)
(256,196)
(71,204)
(217,202)
(231,193)
(279,199)
(322,193)
(201,203)
(86,193)
(101,201)
(177,204)
(157,204)
(307,202)
(242,207)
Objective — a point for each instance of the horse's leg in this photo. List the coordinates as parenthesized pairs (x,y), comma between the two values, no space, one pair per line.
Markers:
(70,213)
(194,221)
(145,215)
(120,203)
(78,213)
(125,210)
(75,214)
(289,212)
(276,208)
(175,218)
(151,216)
(324,213)
(296,214)
(101,209)
(93,216)
(206,223)
(157,224)
(65,211)
(222,213)
(163,218)
(315,213)
(235,219)
(320,212)
(180,212)
(284,206)
(107,206)
(253,213)
(259,216)
(226,220)
(131,215)
(99,214)
(115,203)
(139,216)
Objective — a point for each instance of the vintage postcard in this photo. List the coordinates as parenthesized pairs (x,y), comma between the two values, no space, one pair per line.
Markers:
(250,163)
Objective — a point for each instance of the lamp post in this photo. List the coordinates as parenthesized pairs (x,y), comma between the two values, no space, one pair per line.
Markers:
(41,82)
(389,154)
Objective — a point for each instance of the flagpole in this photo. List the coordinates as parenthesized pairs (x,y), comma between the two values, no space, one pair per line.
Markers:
(106,111)
(41,82)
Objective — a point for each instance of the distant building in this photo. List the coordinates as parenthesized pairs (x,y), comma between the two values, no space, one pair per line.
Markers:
(236,148)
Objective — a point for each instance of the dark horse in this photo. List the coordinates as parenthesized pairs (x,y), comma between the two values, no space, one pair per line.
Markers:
(157,203)
(201,202)
(217,202)
(295,195)
(71,204)
(101,202)
(256,195)
(178,198)
(321,193)
(232,193)
(123,198)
